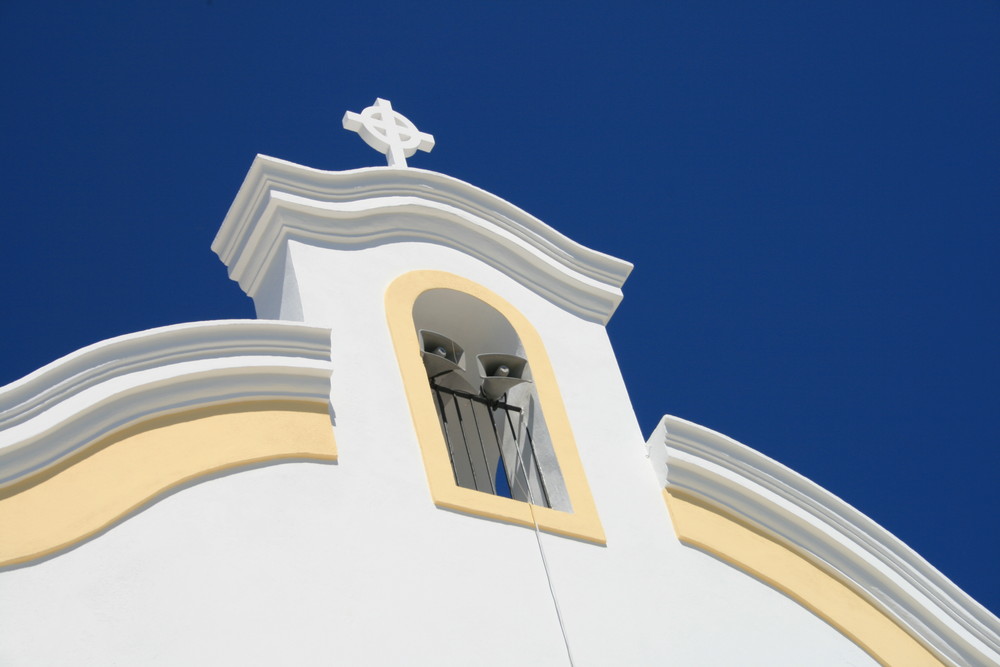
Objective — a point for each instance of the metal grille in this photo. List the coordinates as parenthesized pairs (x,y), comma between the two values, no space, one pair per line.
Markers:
(490,446)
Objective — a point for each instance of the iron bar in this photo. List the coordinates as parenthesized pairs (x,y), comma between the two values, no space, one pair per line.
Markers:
(468,454)
(447,438)
(523,467)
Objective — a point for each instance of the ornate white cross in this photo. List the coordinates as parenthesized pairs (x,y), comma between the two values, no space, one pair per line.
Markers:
(388,132)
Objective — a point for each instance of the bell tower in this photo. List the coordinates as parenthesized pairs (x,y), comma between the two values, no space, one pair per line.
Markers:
(479,411)
(463,328)
(422,453)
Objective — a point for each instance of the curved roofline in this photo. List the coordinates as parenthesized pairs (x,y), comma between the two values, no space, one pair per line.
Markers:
(281,201)
(67,404)
(743,483)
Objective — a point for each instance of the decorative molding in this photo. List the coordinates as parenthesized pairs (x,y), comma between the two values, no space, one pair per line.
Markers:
(73,501)
(720,473)
(64,406)
(771,561)
(281,201)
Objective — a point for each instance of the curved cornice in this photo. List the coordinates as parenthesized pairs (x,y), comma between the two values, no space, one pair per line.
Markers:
(60,408)
(279,201)
(740,482)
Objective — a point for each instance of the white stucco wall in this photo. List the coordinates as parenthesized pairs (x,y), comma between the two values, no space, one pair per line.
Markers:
(351,563)
(273,566)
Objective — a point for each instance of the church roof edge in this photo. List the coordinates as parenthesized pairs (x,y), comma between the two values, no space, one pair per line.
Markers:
(741,482)
(437,209)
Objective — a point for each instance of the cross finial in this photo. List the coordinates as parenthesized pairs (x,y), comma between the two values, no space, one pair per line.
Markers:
(388,132)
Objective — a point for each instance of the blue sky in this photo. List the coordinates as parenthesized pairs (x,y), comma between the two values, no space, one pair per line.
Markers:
(809,193)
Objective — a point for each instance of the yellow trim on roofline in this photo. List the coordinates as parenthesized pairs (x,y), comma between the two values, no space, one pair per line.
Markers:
(109,480)
(583,522)
(783,567)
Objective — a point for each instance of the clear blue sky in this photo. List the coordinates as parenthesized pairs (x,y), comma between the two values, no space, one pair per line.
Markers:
(810,193)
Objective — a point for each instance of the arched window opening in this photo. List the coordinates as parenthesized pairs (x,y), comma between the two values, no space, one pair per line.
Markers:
(486,401)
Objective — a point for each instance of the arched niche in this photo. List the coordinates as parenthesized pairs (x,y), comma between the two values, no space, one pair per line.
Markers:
(497,443)
(463,310)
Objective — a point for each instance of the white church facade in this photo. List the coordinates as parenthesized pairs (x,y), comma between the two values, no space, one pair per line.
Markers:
(422,453)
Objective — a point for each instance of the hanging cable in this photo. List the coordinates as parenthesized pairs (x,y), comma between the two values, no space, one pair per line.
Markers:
(538,539)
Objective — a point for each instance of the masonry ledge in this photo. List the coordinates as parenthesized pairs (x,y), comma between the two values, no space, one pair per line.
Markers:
(280,200)
(740,482)
(74,401)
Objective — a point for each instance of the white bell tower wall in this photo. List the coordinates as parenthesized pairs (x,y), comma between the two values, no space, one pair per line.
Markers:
(178,496)
(330,249)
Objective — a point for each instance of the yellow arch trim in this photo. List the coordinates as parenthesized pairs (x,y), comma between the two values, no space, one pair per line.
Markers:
(784,568)
(119,474)
(583,522)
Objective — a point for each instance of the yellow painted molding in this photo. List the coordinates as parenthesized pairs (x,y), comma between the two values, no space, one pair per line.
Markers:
(583,522)
(111,478)
(784,568)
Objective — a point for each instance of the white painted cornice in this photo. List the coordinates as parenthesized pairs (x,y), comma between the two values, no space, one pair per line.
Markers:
(62,407)
(744,483)
(281,201)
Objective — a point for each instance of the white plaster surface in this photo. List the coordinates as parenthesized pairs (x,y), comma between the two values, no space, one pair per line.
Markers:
(303,564)
(351,563)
